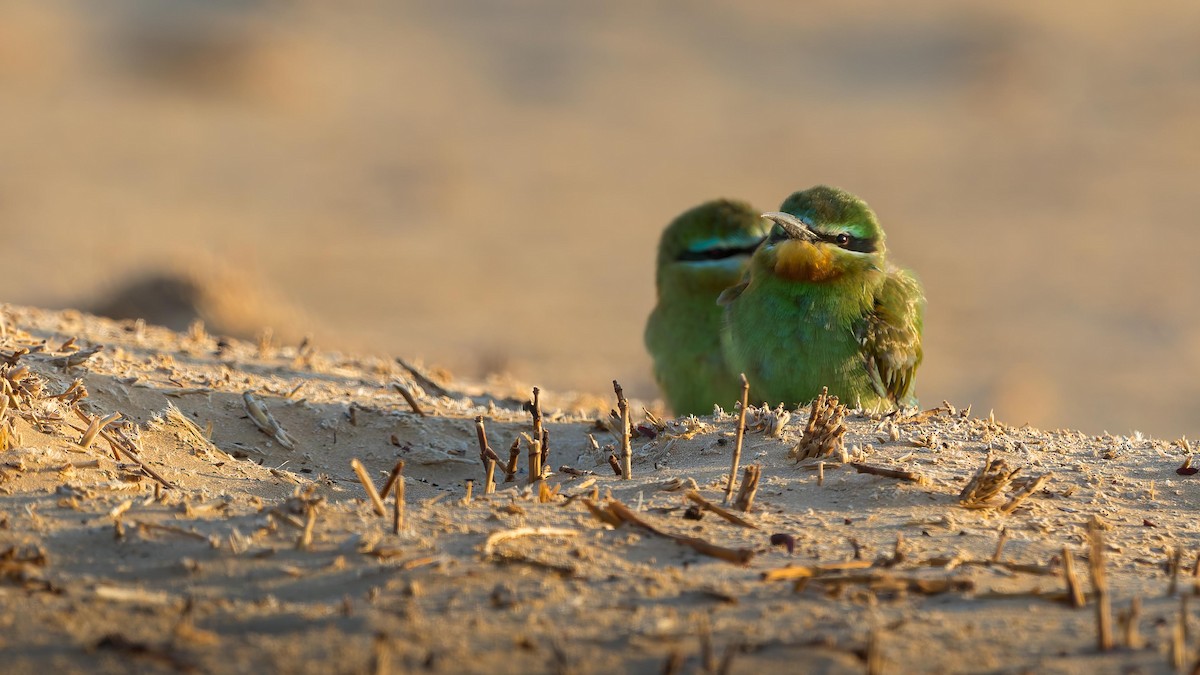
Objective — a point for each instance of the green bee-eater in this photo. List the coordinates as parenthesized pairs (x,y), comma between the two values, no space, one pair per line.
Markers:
(701,253)
(820,306)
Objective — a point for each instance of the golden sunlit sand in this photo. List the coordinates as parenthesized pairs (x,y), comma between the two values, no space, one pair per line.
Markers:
(218,525)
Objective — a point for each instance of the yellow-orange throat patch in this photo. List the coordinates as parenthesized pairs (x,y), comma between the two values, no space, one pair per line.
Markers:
(805,261)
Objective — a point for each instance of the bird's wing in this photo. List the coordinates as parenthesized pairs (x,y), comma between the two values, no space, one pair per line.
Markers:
(891,336)
(730,294)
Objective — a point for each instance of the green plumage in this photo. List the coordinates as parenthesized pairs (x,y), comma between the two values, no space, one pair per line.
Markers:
(821,307)
(701,253)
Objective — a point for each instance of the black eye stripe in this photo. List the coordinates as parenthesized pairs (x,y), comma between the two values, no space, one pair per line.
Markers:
(855,244)
(717,253)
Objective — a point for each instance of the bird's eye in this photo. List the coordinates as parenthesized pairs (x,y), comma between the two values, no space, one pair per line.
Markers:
(842,239)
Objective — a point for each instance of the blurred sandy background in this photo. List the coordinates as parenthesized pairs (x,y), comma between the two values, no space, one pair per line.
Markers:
(483,184)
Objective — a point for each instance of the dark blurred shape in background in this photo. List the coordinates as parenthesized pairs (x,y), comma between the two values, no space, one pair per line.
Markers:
(226,302)
(483,184)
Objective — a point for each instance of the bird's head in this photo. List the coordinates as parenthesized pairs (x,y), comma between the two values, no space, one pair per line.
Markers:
(822,234)
(712,241)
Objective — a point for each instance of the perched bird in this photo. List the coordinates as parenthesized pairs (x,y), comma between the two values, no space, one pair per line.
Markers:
(820,306)
(701,253)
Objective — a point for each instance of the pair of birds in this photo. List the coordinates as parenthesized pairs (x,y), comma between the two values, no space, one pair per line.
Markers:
(797,300)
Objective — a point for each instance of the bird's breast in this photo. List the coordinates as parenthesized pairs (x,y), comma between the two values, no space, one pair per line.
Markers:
(805,261)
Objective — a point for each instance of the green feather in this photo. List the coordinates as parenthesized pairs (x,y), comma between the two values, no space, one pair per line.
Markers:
(858,333)
(701,253)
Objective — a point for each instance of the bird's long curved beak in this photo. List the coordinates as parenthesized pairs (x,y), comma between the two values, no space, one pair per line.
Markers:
(795,228)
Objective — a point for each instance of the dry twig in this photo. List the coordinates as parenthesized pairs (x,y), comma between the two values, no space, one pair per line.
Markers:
(265,421)
(793,572)
(989,481)
(173,416)
(77,358)
(1026,492)
(741,436)
(95,426)
(123,445)
(899,474)
(489,546)
(703,503)
(424,382)
(621,513)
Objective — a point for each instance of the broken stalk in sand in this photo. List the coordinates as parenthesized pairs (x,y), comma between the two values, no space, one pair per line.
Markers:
(626,449)
(398,504)
(305,539)
(749,488)
(433,388)
(369,486)
(1104,637)
(614,464)
(539,432)
(489,477)
(1074,589)
(989,481)
(535,461)
(514,455)
(412,401)
(824,434)
(488,456)
(1174,564)
(741,435)
(1000,542)
(1179,639)
(387,486)
(1129,624)
(545,449)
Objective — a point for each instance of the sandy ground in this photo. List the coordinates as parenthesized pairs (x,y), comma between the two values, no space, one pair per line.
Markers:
(483,184)
(210,546)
